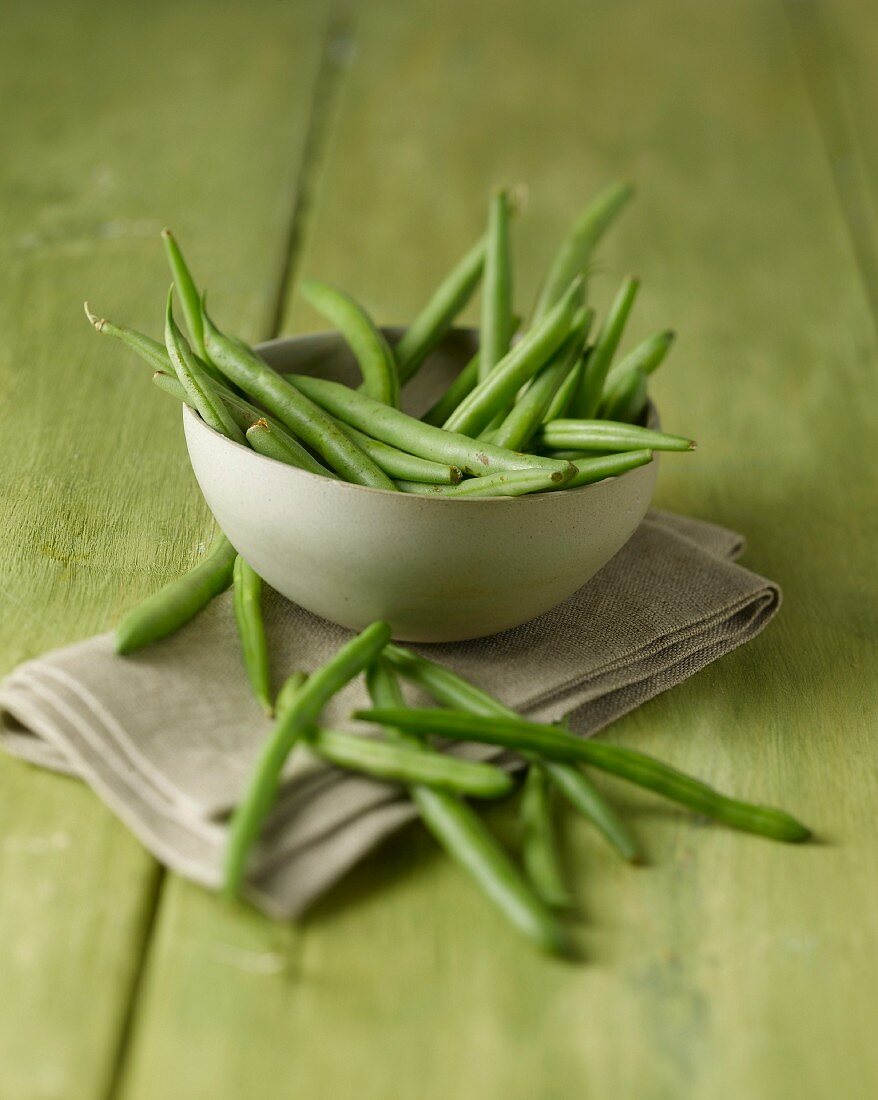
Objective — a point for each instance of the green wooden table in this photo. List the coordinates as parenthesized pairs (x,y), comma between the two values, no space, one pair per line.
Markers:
(359,144)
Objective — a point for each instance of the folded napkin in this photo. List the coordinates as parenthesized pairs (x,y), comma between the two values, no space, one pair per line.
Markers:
(168,736)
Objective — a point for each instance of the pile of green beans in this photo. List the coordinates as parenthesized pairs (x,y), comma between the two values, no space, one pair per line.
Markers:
(543,408)
(530,392)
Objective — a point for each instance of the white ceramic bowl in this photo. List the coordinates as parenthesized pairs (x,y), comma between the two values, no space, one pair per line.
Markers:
(437,570)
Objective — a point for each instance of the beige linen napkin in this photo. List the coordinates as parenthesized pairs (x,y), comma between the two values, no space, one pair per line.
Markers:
(167,737)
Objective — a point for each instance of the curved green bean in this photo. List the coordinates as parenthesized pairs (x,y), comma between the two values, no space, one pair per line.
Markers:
(575,250)
(309,422)
(527,413)
(148,349)
(556,744)
(646,356)
(189,297)
(591,385)
(506,483)
(202,396)
(398,464)
(247,592)
(539,843)
(466,838)
(626,401)
(438,315)
(496,320)
(498,389)
(401,764)
(413,436)
(454,691)
(608,435)
(365,339)
(178,602)
(298,705)
(584,797)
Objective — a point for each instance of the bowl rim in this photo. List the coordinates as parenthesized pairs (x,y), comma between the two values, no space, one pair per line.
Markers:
(192,420)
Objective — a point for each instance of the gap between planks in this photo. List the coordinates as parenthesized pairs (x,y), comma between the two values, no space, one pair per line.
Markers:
(335,51)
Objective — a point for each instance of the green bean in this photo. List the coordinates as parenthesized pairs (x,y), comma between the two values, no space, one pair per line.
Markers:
(560,403)
(178,602)
(266,440)
(575,250)
(636,767)
(247,592)
(539,842)
(408,434)
(453,691)
(153,353)
(399,764)
(299,705)
(463,834)
(506,483)
(608,435)
(148,349)
(189,298)
(627,400)
(527,413)
(365,339)
(195,381)
(647,356)
(591,385)
(584,797)
(590,470)
(309,422)
(282,445)
(463,384)
(438,315)
(398,464)
(496,327)
(522,362)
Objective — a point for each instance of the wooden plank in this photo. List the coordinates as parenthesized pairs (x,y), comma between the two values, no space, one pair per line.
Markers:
(837,44)
(729,966)
(118,118)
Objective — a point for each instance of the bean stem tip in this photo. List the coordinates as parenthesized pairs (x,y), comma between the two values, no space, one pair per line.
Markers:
(98,322)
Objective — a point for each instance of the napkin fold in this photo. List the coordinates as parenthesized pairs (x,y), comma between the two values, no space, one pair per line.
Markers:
(168,736)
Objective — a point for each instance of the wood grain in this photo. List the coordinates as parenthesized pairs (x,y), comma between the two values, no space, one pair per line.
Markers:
(729,966)
(116,121)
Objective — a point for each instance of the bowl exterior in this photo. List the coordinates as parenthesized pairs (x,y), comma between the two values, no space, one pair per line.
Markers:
(437,570)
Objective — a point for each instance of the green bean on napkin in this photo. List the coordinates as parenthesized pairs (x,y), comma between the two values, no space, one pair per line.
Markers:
(298,706)
(454,691)
(247,593)
(466,838)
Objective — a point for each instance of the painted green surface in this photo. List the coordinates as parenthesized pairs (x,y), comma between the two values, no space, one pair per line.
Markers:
(727,967)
